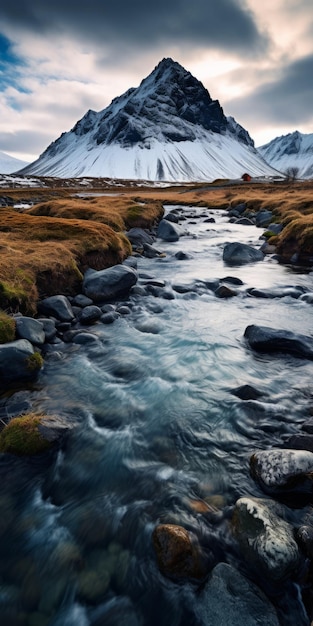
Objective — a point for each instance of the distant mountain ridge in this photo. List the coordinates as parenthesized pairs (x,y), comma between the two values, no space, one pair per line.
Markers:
(294,150)
(9,164)
(168,128)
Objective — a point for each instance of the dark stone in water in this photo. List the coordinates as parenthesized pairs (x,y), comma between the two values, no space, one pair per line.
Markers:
(240,253)
(139,236)
(225,292)
(183,256)
(246,392)
(90,315)
(232,280)
(30,329)
(177,552)
(301,441)
(209,220)
(109,318)
(172,217)
(110,283)
(230,599)
(168,231)
(270,340)
(81,300)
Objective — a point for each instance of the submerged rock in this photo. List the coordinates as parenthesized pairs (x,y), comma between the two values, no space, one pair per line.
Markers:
(230,599)
(177,552)
(270,340)
(265,539)
(240,253)
(246,392)
(282,469)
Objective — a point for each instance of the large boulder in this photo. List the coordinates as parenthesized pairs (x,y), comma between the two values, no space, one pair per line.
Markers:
(18,363)
(178,554)
(30,329)
(110,283)
(237,253)
(57,306)
(282,469)
(270,340)
(168,231)
(230,599)
(139,236)
(266,540)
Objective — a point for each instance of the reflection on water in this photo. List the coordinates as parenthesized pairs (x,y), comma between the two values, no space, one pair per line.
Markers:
(158,437)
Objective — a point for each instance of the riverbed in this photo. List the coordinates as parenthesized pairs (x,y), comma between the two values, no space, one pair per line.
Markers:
(158,437)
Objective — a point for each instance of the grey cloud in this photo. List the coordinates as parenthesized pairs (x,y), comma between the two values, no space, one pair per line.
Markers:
(287,100)
(139,24)
(25,141)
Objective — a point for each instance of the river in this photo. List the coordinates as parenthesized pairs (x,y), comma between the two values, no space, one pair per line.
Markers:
(156,432)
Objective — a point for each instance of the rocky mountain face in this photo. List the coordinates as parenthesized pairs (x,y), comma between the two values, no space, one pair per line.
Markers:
(292,151)
(167,129)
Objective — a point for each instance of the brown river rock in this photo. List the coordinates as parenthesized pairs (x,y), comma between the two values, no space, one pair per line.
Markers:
(178,555)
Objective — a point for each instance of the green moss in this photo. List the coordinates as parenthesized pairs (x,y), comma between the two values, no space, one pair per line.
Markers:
(7,327)
(22,437)
(13,296)
(34,362)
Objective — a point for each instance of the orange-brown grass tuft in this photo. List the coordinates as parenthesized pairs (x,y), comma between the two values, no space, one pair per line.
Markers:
(42,256)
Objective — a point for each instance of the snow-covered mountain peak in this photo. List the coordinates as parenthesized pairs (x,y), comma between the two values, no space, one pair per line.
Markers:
(168,128)
(294,150)
(9,164)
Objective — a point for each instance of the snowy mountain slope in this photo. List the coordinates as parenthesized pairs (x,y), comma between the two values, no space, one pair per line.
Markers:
(168,128)
(9,164)
(292,150)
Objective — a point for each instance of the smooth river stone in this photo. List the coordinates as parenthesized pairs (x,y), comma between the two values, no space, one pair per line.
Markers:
(266,540)
(230,599)
(280,469)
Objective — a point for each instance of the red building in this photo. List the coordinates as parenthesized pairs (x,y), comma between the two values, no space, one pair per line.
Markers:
(246,177)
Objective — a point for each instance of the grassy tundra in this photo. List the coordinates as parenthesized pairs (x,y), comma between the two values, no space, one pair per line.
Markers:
(44,250)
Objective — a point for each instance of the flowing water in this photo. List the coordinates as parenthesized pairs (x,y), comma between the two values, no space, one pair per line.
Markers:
(157,437)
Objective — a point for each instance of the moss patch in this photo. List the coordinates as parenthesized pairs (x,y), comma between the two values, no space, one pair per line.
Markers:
(35,362)
(7,327)
(22,437)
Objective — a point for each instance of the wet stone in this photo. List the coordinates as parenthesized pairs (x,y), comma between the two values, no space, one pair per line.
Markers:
(57,306)
(30,329)
(90,315)
(281,469)
(177,552)
(266,540)
(247,392)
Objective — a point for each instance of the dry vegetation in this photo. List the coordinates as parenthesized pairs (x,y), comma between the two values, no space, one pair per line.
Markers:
(44,250)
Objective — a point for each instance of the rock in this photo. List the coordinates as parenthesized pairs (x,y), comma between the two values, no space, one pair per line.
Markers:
(225,292)
(109,318)
(232,280)
(30,329)
(84,338)
(301,441)
(307,297)
(282,469)
(131,261)
(275,228)
(209,220)
(18,363)
(82,300)
(109,283)
(139,236)
(240,253)
(305,539)
(270,340)
(230,599)
(245,221)
(268,248)
(90,315)
(150,252)
(123,310)
(183,256)
(178,554)
(49,328)
(172,217)
(263,218)
(266,540)
(278,292)
(57,306)
(246,392)
(53,428)
(168,231)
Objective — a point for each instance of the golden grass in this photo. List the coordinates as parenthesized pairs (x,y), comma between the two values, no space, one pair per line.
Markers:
(22,437)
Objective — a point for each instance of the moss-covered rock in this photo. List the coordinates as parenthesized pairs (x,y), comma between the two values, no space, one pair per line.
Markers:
(32,433)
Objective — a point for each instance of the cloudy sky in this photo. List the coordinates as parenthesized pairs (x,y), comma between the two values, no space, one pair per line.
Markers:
(61,58)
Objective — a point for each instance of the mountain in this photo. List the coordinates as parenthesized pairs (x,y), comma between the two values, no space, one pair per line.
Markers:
(294,150)
(9,164)
(168,128)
